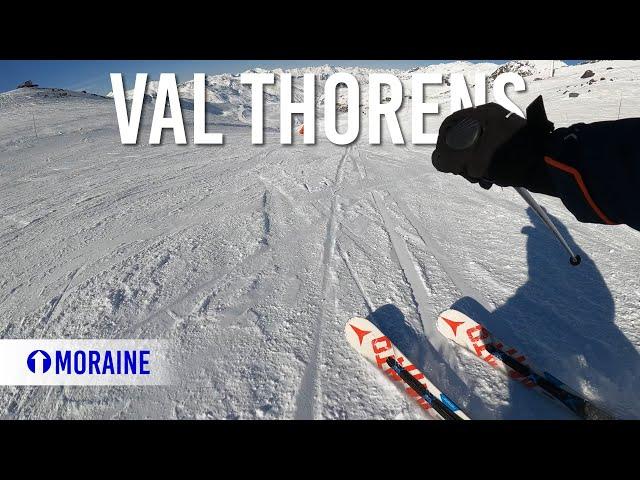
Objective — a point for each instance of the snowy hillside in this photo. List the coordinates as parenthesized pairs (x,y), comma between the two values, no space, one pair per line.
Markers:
(538,69)
(227,89)
(230,101)
(250,259)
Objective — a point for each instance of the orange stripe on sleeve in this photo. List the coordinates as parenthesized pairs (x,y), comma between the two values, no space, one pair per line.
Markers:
(578,178)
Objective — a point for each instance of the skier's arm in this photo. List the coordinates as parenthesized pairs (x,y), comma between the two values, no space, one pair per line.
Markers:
(593,168)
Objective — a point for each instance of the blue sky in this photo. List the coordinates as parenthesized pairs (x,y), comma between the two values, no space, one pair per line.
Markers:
(93,75)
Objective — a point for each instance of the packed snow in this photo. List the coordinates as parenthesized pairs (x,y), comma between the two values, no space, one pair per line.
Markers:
(250,259)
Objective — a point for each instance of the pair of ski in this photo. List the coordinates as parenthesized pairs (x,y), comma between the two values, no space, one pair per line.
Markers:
(374,345)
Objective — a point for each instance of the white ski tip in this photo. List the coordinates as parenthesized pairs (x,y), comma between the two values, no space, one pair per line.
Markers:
(371,343)
(359,332)
(454,325)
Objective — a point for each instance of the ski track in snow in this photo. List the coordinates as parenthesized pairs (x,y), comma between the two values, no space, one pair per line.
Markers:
(306,399)
(250,259)
(458,281)
(420,291)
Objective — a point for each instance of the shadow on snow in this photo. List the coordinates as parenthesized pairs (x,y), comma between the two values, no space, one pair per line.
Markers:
(562,319)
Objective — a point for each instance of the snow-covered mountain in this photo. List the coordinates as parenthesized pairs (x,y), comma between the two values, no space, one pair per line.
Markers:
(250,259)
(539,69)
(226,87)
(232,99)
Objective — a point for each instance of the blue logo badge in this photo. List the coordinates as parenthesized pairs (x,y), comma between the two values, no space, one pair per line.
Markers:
(39,361)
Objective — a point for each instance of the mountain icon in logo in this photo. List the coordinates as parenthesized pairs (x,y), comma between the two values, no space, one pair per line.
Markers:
(39,361)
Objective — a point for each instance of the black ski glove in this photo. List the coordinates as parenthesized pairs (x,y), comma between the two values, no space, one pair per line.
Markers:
(488,144)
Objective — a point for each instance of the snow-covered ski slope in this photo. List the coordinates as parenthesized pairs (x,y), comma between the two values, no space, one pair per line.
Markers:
(250,259)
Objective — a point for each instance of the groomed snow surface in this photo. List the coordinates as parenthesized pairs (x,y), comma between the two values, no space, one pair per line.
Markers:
(250,259)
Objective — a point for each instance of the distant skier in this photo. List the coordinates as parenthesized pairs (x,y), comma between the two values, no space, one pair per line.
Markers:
(593,168)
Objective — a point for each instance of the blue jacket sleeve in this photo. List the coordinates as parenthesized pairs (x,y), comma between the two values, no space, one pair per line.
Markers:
(595,170)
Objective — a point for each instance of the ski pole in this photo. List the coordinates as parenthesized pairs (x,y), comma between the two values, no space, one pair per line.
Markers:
(575,259)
